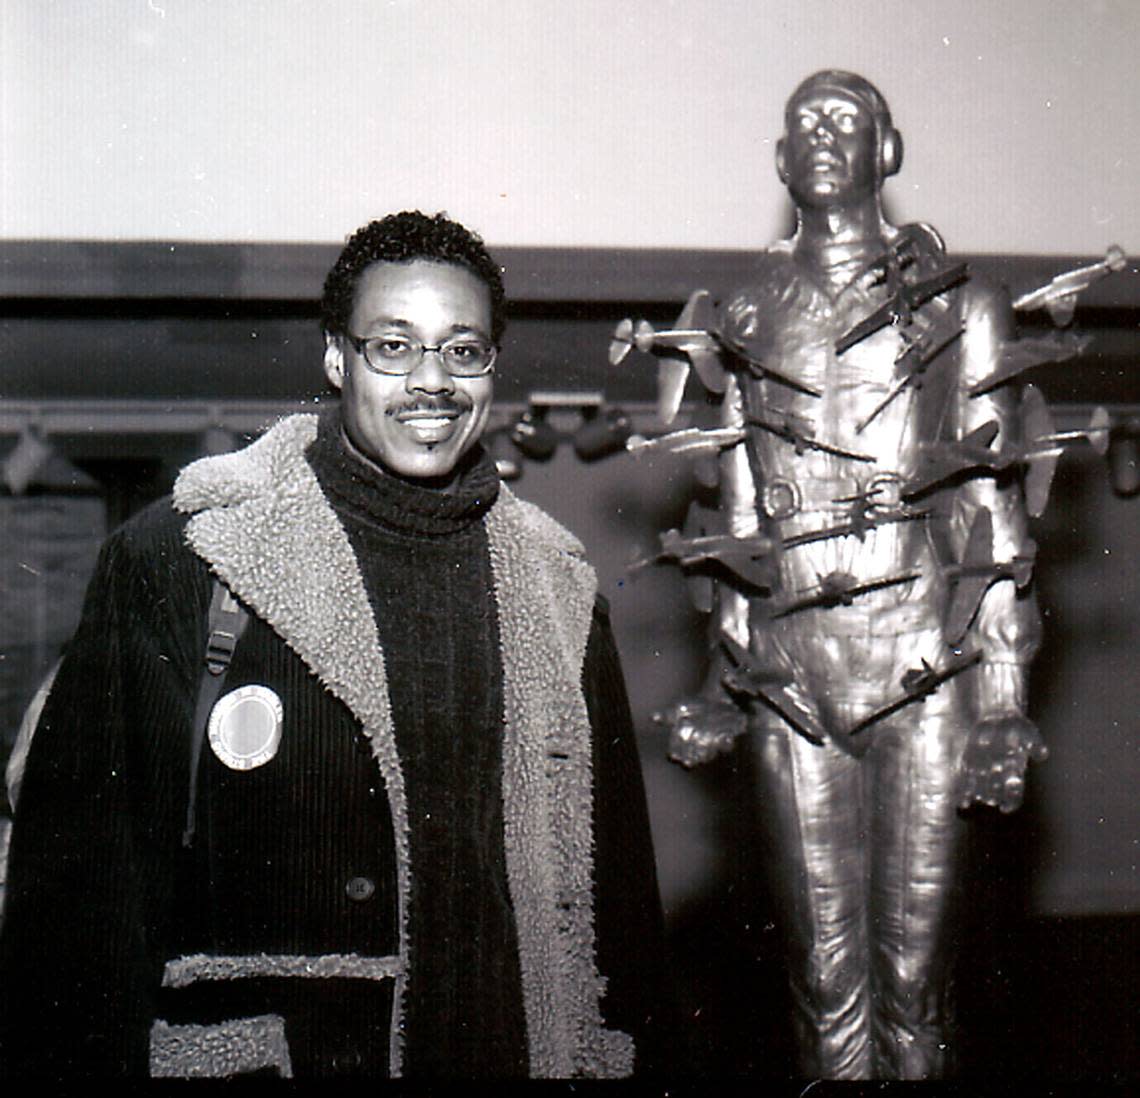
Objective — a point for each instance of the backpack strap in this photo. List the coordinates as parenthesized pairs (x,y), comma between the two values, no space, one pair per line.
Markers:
(227,621)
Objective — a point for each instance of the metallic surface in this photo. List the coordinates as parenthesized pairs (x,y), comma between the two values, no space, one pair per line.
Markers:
(863,833)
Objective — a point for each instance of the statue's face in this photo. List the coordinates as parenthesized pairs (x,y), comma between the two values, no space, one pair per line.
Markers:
(830,155)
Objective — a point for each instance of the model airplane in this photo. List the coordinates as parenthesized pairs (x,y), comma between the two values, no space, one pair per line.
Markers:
(796,430)
(905,298)
(860,520)
(1060,295)
(1039,452)
(691,440)
(919,683)
(973,576)
(693,343)
(768,685)
(750,559)
(912,362)
(1019,355)
(746,675)
(690,344)
(840,589)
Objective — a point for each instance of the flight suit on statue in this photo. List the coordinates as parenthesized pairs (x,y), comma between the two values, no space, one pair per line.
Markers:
(859,768)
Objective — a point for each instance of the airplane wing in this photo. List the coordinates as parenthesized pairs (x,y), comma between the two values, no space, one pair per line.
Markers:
(1020,355)
(780,700)
(914,362)
(688,440)
(946,278)
(802,438)
(918,684)
(942,460)
(746,676)
(909,296)
(882,316)
(969,587)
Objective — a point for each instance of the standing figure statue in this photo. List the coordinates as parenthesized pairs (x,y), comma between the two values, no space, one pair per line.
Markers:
(866,464)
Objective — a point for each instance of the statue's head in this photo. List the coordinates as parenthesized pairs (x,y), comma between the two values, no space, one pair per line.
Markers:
(838,144)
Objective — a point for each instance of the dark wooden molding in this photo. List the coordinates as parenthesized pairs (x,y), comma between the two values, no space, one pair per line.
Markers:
(158,270)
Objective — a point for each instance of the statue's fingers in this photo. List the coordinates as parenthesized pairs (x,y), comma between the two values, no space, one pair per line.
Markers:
(1013,789)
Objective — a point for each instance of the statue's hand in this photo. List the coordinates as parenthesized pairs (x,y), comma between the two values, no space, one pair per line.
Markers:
(993,769)
(701,729)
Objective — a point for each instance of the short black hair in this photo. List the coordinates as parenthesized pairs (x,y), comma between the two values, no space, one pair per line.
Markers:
(402,238)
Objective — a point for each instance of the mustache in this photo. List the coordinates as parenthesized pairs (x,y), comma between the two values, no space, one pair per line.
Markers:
(444,404)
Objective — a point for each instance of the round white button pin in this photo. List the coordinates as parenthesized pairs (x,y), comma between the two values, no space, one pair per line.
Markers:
(245,727)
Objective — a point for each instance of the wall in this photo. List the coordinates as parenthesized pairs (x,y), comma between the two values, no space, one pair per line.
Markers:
(602,122)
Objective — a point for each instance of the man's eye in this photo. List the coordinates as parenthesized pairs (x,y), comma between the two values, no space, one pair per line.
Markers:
(462,352)
(806,121)
(846,123)
(391,347)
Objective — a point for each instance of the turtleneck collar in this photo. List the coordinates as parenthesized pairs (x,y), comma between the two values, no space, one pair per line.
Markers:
(353,482)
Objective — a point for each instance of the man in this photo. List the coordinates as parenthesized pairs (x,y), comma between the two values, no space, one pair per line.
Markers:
(873,717)
(409,837)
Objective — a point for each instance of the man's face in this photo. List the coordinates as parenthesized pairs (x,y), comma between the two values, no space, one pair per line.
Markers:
(831,150)
(420,424)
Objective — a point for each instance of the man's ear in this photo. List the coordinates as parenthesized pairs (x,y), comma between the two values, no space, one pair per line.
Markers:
(781,163)
(334,360)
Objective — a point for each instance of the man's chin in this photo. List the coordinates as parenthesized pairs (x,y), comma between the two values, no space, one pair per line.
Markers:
(433,462)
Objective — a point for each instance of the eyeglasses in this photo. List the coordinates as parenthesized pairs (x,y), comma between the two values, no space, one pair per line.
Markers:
(397,354)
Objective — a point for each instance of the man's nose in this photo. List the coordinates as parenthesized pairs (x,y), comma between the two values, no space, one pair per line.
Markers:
(430,375)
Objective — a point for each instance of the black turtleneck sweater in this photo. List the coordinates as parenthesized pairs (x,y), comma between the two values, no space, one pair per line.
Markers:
(424,558)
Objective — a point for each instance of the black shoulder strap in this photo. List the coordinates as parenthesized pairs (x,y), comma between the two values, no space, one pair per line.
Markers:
(227,621)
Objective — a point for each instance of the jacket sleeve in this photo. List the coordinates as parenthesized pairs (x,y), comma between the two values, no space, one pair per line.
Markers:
(1007,626)
(76,980)
(629,923)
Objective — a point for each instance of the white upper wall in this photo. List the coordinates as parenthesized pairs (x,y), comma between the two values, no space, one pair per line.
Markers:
(551,122)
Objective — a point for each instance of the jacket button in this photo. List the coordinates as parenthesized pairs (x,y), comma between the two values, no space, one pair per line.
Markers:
(359,889)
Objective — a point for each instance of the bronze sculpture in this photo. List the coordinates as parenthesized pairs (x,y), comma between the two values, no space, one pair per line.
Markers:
(866,573)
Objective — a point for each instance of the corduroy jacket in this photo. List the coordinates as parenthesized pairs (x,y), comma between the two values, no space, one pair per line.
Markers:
(126,950)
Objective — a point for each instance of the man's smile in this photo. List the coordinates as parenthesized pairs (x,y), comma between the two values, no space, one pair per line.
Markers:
(429,423)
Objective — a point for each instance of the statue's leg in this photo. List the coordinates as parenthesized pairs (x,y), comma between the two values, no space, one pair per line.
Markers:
(917,846)
(810,806)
